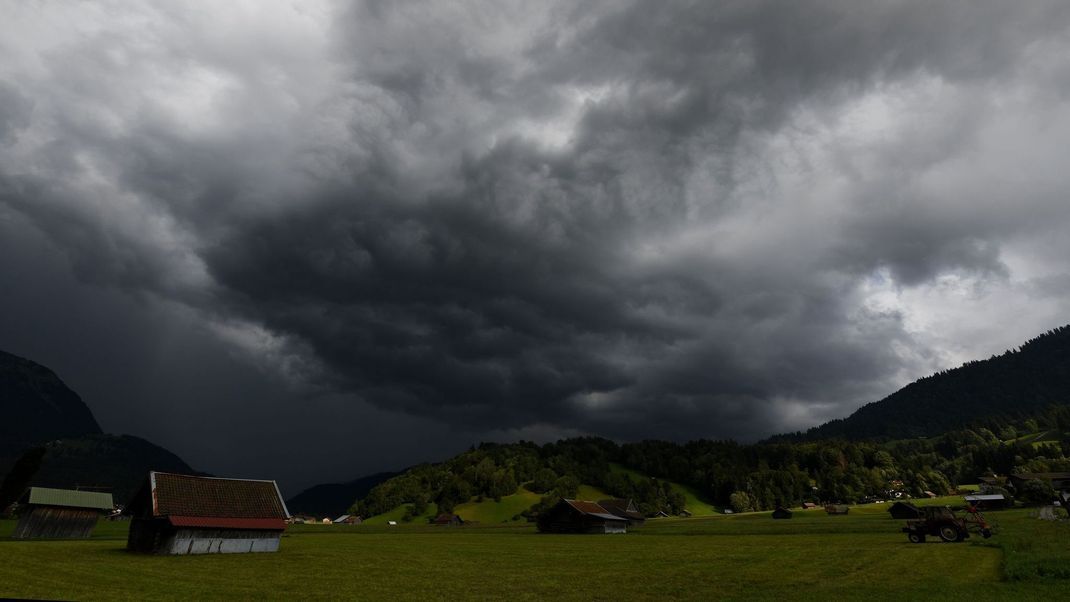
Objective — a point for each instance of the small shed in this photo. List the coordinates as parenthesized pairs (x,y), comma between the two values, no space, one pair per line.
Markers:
(348,519)
(904,511)
(447,519)
(781,512)
(986,501)
(578,516)
(60,513)
(624,508)
(809,505)
(185,514)
(834,509)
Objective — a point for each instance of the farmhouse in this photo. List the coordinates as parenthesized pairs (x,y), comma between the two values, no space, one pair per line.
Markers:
(904,511)
(60,513)
(447,519)
(624,508)
(577,516)
(781,512)
(183,514)
(1058,480)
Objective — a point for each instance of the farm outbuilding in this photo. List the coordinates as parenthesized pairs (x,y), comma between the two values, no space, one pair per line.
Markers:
(986,501)
(348,519)
(60,513)
(184,514)
(781,512)
(447,519)
(624,508)
(837,509)
(809,505)
(1057,480)
(904,511)
(578,516)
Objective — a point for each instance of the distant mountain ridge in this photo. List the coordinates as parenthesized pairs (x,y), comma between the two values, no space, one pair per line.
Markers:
(49,437)
(37,406)
(1016,383)
(334,499)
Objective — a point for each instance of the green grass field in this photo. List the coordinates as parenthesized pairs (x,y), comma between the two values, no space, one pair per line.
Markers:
(811,557)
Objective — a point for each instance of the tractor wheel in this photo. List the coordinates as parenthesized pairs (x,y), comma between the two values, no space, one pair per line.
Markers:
(915,537)
(949,533)
(986,533)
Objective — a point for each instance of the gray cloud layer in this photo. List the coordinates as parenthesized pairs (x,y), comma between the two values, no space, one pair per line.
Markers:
(631,219)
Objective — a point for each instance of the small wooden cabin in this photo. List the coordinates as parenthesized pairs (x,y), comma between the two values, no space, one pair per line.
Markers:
(987,501)
(447,519)
(348,519)
(781,513)
(809,505)
(904,511)
(60,513)
(578,516)
(184,514)
(624,508)
(833,509)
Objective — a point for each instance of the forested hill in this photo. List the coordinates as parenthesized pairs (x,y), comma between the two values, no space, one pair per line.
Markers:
(1017,383)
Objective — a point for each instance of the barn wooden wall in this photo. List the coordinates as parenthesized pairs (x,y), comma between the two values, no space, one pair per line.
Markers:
(55,522)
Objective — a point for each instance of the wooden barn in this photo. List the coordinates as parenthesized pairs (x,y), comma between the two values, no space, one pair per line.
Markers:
(1058,480)
(624,508)
(809,505)
(183,514)
(987,501)
(577,516)
(60,513)
(904,511)
(781,513)
(833,509)
(447,519)
(347,519)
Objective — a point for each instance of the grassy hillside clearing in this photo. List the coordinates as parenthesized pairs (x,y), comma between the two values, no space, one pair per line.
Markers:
(695,505)
(813,556)
(489,511)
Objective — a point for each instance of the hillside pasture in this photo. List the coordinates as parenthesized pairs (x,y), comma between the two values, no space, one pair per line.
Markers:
(693,502)
(811,557)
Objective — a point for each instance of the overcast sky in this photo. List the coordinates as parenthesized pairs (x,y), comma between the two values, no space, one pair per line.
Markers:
(309,240)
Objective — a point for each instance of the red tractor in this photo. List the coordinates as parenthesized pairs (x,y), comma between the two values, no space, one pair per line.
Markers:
(940,521)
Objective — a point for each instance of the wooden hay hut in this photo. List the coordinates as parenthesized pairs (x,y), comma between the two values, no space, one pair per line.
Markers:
(781,513)
(183,514)
(834,509)
(624,508)
(578,516)
(1058,480)
(60,513)
(904,511)
(809,505)
(448,519)
(348,519)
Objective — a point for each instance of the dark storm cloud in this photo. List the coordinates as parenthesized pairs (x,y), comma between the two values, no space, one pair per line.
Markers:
(632,219)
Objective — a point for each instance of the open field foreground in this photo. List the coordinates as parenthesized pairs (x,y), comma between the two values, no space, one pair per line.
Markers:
(812,556)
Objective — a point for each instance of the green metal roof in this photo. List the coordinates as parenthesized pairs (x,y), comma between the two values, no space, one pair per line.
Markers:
(70,498)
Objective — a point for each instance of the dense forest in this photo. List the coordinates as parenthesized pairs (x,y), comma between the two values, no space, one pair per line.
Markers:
(1012,385)
(744,477)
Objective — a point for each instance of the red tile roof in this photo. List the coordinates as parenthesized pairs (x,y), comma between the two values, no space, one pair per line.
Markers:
(276,524)
(189,496)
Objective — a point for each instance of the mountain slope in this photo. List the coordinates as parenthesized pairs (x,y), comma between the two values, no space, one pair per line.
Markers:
(334,499)
(49,437)
(1013,384)
(36,407)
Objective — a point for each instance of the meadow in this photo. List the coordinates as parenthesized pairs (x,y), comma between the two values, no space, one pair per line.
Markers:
(750,556)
